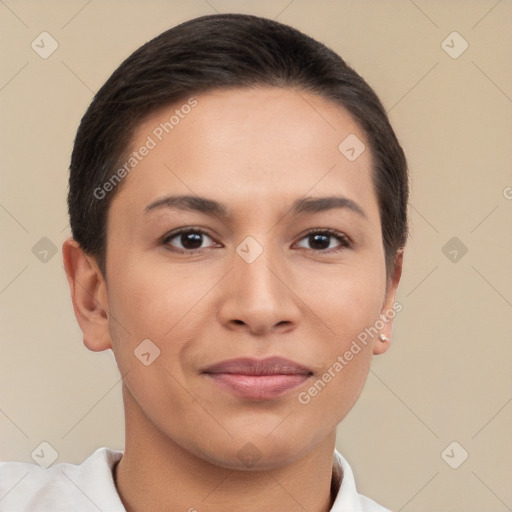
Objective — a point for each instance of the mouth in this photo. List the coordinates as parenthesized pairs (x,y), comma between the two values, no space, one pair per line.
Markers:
(258,380)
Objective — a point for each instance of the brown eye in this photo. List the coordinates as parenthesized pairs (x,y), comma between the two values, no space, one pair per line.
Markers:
(188,240)
(324,241)
(319,241)
(191,240)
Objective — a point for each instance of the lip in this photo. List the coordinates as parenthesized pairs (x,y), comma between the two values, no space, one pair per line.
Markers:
(258,379)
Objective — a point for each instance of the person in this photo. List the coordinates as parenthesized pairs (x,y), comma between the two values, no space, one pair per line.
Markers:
(238,207)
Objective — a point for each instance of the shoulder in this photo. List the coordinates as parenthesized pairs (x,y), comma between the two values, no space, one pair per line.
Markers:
(88,486)
(348,499)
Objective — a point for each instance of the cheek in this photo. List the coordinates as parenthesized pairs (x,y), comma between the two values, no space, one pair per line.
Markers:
(149,302)
(348,303)
(151,299)
(167,304)
(344,352)
(332,393)
(347,300)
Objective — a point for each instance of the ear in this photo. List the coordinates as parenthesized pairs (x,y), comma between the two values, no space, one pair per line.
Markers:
(389,309)
(89,295)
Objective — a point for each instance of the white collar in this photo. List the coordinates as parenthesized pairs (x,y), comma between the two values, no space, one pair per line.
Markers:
(90,486)
(347,498)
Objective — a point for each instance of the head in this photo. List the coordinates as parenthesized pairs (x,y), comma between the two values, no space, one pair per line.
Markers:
(236,190)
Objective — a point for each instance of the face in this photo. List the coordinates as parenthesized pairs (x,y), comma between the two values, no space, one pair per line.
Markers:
(279,255)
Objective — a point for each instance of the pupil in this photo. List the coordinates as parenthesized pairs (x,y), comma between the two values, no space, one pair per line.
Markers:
(191,240)
(319,241)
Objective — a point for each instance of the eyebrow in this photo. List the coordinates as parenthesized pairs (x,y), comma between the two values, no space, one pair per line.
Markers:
(190,203)
(211,207)
(322,204)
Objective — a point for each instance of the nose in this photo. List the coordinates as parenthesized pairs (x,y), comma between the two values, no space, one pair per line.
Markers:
(258,297)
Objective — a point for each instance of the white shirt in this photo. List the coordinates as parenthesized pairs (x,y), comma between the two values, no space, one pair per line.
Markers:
(89,487)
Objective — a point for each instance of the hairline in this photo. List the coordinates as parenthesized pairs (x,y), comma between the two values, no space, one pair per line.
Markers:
(131,134)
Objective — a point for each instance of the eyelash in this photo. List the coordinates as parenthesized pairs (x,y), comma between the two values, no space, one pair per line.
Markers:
(345,242)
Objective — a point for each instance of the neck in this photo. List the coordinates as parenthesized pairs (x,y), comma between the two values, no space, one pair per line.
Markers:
(156,473)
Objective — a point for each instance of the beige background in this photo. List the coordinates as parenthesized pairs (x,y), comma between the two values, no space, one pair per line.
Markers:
(448,376)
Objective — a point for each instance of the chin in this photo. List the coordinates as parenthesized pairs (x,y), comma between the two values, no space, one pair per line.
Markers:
(255,453)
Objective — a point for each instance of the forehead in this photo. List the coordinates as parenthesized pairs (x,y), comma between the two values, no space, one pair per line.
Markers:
(264,145)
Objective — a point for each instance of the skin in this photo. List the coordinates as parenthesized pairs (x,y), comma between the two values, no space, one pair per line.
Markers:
(256,151)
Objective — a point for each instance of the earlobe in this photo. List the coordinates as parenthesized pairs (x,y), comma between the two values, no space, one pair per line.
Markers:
(88,294)
(381,344)
(389,309)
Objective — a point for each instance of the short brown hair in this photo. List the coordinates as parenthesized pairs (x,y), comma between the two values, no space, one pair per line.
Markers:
(224,51)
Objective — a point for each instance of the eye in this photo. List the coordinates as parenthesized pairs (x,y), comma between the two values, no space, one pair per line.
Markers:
(188,240)
(326,240)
